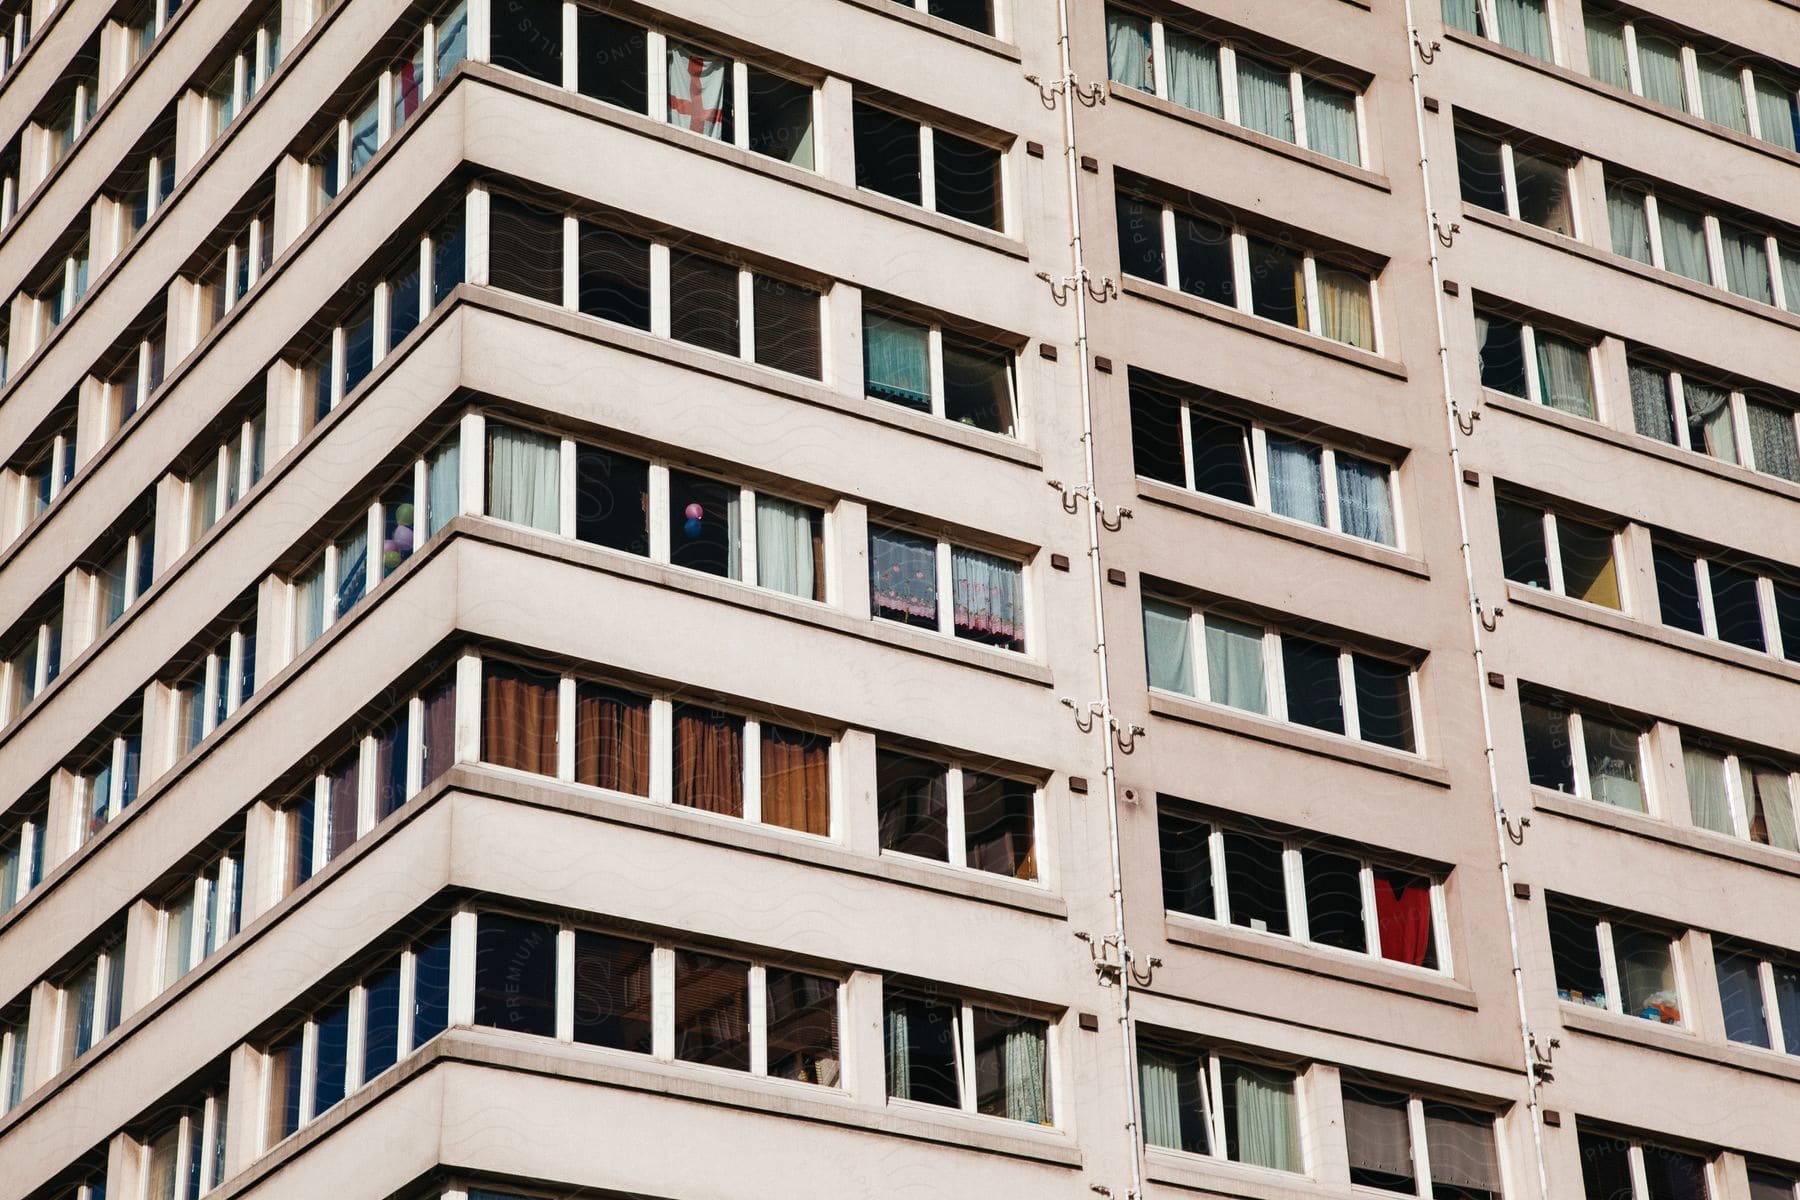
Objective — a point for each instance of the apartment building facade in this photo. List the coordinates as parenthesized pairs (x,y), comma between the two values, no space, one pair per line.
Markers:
(959,598)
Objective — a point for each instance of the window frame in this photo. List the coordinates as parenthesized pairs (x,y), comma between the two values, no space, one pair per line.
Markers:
(936,386)
(118,757)
(138,545)
(1004,201)
(1487,18)
(1607,951)
(1534,384)
(1419,1139)
(945,559)
(1780,1038)
(1635,1147)
(1548,518)
(55,464)
(108,963)
(1578,755)
(236,465)
(219,885)
(216,684)
(956,832)
(138,377)
(1767,604)
(1713,227)
(205,1134)
(47,665)
(1733,762)
(24,842)
(967,1083)
(1675,384)
(249,69)
(1509,149)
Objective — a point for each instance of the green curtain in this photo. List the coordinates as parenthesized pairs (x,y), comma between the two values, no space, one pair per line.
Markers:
(1660,75)
(1267,1132)
(1159,1089)
(1331,121)
(1234,664)
(897,360)
(1630,225)
(1606,51)
(1746,263)
(1524,26)
(1722,93)
(1169,647)
(1775,112)
(1462,14)
(1027,1098)
(899,1051)
(1194,73)
(1128,50)
(1265,101)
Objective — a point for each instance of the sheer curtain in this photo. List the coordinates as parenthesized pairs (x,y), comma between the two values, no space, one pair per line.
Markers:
(1128,50)
(1159,1087)
(523,477)
(1462,14)
(699,95)
(1772,440)
(1708,803)
(1564,376)
(1194,73)
(1606,51)
(1346,313)
(785,550)
(1265,101)
(897,360)
(1650,406)
(1775,113)
(1267,1133)
(1365,507)
(1377,1135)
(1769,805)
(309,605)
(442,485)
(1023,1051)
(1746,264)
(903,577)
(1660,71)
(1234,664)
(1461,1148)
(1722,94)
(1331,122)
(898,1043)
(1525,26)
(1169,647)
(1684,242)
(1295,482)
(1629,223)
(1710,428)
(986,592)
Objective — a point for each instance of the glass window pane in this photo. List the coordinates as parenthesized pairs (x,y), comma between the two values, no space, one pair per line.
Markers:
(1737,605)
(790,548)
(1711,429)
(1547,745)
(978,383)
(515,974)
(1565,375)
(989,601)
(787,326)
(1671,1175)
(381,1021)
(1204,258)
(896,361)
(1575,956)
(1614,763)
(1587,562)
(887,153)
(1460,1145)
(431,987)
(1265,98)
(612,738)
(1379,1139)
(1383,701)
(612,499)
(1479,170)
(967,179)
(803,1027)
(998,820)
(1140,232)
(524,477)
(525,248)
(703,302)
(612,992)
(705,526)
(1740,994)
(1646,975)
(1683,239)
(1523,550)
(1256,883)
(1296,479)
(1012,1077)
(614,59)
(526,36)
(1169,647)
(1315,694)
(1365,499)
(923,1054)
(1403,918)
(781,117)
(1262,1127)
(1277,284)
(1334,900)
(903,583)
(1236,669)
(1544,197)
(709,760)
(518,717)
(331,1066)
(1677,588)
(699,92)
(1221,457)
(1186,851)
(1500,342)
(615,273)
(796,780)
(911,805)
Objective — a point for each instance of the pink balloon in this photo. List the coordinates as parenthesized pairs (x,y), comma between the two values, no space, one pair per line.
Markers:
(403,538)
(694,512)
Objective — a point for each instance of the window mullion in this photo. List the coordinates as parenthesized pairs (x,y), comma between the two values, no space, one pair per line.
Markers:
(1334,519)
(1709,618)
(565,982)
(1293,883)
(759,1020)
(1715,249)
(1240,260)
(1553,555)
(1653,221)
(1609,966)
(1509,174)
(955,818)
(1275,675)
(1678,401)
(1297,98)
(1159,75)
(1186,434)
(946,598)
(1347,686)
(927,168)
(752,781)
(1771,617)
(1259,468)
(1171,252)
(1197,655)
(1228,84)
(1365,883)
(1578,757)
(965,1042)
(1765,979)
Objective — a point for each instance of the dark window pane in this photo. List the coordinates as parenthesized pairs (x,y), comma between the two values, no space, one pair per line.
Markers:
(1221,457)
(1465,1164)
(796,779)
(359,346)
(704,524)
(1141,239)
(1740,995)
(1587,562)
(787,326)
(803,1027)
(978,387)
(439,728)
(1575,956)
(612,495)
(967,178)
(896,361)
(1737,605)
(1380,1139)
(1156,436)
(887,153)
(1677,588)
(1501,346)
(1605,1167)
(1383,701)
(921,1048)
(515,974)
(1479,171)
(526,36)
(447,256)
(615,274)
(1670,1175)
(612,992)
(1186,850)
(1787,616)
(712,1010)
(781,118)
(1255,885)
(1277,286)
(285,1084)
(431,988)
(1334,903)
(1548,755)
(614,60)
(911,805)
(972,14)
(381,1025)
(997,818)
(703,302)
(403,301)
(903,583)
(1523,553)
(1315,693)
(333,1056)
(525,252)
(390,763)
(1203,258)
(342,804)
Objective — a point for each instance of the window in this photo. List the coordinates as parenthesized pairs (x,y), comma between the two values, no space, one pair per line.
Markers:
(987,594)
(233,272)
(1535,364)
(89,1001)
(15,32)
(123,576)
(72,112)
(1768,1185)
(1522,25)
(1559,553)
(22,854)
(1613,966)
(1268,276)
(367,781)
(1278,883)
(108,783)
(1701,246)
(219,681)
(970,14)
(184,1156)
(1582,753)
(1760,998)
(940,371)
(933,168)
(1715,419)
(45,466)
(1621,1168)
(1203,450)
(351,1040)
(1626,53)
(1391,1135)
(62,287)
(200,916)
(955,1055)
(1281,675)
(1525,184)
(14,1044)
(244,75)
(137,371)
(1205,1102)
(33,660)
(1217,78)
(1743,795)
(1723,600)
(953,814)
(225,472)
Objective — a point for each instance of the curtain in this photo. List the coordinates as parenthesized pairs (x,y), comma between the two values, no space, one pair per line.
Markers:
(1563,375)
(986,595)
(612,739)
(1403,916)
(518,718)
(1194,73)
(1331,122)
(796,780)
(1023,1054)
(1128,50)
(1722,94)
(1346,313)
(1708,803)
(309,605)
(1746,264)
(1295,487)
(1768,805)
(1159,1089)
(1461,1148)
(1525,26)
(1660,72)
(1684,242)
(1266,1129)
(1629,223)
(1377,1135)
(1710,428)
(1787,1003)
(898,1044)
(1169,647)
(1772,440)
(523,469)
(1775,112)
(1265,101)
(897,360)
(787,553)
(352,570)
(903,577)
(1650,403)
(442,484)
(698,97)
(1606,51)
(709,760)
(1462,14)
(1790,277)
(439,750)
(1365,509)
(1234,664)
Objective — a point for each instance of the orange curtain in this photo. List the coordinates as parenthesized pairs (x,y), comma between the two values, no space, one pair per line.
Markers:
(796,780)
(518,718)
(612,739)
(709,760)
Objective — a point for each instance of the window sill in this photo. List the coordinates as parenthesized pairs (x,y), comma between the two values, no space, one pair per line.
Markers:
(1296,737)
(1199,933)
(1263,327)
(941,27)
(1686,837)
(1222,1177)
(1158,492)
(1362,175)
(1634,1030)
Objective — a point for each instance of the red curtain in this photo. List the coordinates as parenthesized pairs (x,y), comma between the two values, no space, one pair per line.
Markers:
(796,780)
(1403,916)
(612,739)
(709,760)
(518,718)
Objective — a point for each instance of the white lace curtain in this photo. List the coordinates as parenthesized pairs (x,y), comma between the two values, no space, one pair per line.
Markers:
(522,477)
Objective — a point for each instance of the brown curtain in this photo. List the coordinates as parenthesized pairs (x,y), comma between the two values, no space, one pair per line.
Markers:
(796,780)
(709,760)
(818,547)
(345,792)
(518,718)
(440,730)
(612,739)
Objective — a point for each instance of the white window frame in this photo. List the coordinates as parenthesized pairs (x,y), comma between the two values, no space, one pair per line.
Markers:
(1417,1136)
(132,552)
(1731,762)
(115,800)
(1767,614)
(216,681)
(1715,247)
(23,841)
(955,824)
(1490,26)
(143,351)
(1510,175)
(57,303)
(1740,416)
(214,885)
(1690,65)
(934,352)
(1640,1185)
(1772,1021)
(233,471)
(1609,972)
(1584,783)
(963,1023)
(15,1044)
(1003,200)
(1548,518)
(946,604)
(107,960)
(40,673)
(15,36)
(213,1108)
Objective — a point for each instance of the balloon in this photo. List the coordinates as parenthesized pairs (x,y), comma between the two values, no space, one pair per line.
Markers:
(403,515)
(389,546)
(691,526)
(391,559)
(403,538)
(694,512)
